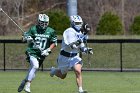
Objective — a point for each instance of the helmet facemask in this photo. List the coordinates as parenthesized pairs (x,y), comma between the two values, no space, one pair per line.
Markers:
(76,22)
(77,25)
(43,24)
(43,21)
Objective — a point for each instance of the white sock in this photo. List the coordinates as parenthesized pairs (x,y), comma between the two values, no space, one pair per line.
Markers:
(80,89)
(28,84)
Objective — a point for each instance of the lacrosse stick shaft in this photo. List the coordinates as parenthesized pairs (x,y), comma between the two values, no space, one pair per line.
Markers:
(88,56)
(12,20)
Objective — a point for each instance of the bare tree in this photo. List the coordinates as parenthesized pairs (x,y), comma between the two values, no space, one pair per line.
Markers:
(23,1)
(17,6)
(23,11)
(3,19)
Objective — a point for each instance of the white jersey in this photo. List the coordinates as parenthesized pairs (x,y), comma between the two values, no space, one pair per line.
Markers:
(64,62)
(70,35)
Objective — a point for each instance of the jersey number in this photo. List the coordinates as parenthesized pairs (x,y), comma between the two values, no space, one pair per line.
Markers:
(40,43)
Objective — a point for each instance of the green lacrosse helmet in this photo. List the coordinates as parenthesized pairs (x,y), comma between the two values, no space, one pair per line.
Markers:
(43,21)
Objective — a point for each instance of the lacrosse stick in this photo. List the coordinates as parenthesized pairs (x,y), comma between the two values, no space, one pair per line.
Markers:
(12,20)
(88,55)
(85,29)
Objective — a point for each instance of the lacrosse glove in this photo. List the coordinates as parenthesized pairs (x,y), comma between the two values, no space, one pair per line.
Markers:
(27,38)
(46,52)
(86,50)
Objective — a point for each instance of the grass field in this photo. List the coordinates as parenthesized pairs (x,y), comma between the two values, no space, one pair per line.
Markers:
(94,82)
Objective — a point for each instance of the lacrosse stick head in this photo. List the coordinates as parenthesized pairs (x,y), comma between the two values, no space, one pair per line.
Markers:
(85,28)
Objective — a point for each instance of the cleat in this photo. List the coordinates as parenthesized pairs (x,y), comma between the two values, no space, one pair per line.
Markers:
(21,87)
(27,89)
(52,72)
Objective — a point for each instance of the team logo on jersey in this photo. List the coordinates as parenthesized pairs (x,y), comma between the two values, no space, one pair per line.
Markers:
(80,36)
(42,35)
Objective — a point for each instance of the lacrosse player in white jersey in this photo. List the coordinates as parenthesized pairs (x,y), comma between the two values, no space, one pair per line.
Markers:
(72,44)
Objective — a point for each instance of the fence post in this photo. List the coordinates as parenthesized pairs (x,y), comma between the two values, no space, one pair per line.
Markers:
(121,65)
(4,63)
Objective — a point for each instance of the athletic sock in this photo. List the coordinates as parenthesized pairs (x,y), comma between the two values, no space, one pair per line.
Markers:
(80,89)
(28,84)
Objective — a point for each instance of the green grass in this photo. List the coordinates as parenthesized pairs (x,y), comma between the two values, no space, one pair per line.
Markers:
(94,82)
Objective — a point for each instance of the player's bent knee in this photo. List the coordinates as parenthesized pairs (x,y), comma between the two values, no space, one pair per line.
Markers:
(36,66)
(78,72)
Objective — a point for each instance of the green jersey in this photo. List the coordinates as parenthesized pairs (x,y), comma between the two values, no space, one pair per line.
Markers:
(42,40)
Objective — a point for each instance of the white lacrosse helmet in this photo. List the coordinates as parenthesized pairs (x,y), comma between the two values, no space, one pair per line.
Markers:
(43,21)
(76,22)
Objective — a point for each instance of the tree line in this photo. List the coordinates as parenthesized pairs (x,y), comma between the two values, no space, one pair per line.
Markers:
(24,12)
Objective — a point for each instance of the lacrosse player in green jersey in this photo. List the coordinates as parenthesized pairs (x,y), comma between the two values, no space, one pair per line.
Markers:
(41,40)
